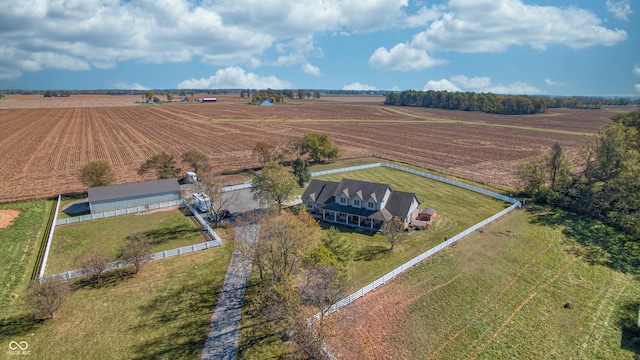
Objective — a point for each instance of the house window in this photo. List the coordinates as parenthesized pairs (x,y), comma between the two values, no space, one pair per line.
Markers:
(356,202)
(310,204)
(343,201)
(370,204)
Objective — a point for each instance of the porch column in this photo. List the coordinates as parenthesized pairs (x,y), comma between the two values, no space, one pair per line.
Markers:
(371,224)
(322,214)
(346,219)
(335,216)
(359,221)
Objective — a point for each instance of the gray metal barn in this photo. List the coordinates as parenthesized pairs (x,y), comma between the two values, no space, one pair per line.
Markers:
(114,197)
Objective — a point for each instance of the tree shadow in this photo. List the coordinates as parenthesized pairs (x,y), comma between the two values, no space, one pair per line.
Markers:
(19,325)
(178,312)
(628,323)
(347,229)
(591,240)
(372,252)
(107,279)
(163,235)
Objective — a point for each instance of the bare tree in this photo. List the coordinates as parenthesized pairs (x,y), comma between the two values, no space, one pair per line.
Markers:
(394,232)
(47,297)
(197,161)
(93,263)
(284,240)
(136,250)
(212,187)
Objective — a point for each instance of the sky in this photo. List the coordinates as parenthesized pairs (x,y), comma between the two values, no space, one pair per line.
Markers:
(542,47)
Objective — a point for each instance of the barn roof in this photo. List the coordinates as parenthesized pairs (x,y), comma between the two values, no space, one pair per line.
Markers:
(110,192)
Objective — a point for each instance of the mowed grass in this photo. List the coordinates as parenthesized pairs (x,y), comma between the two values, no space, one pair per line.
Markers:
(19,246)
(167,229)
(498,295)
(163,312)
(457,210)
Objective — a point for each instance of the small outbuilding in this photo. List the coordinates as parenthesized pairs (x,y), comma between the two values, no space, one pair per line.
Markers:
(428,214)
(208,100)
(191,177)
(266,103)
(115,197)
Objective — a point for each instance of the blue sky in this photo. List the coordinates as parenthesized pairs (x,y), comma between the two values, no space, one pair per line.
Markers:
(565,47)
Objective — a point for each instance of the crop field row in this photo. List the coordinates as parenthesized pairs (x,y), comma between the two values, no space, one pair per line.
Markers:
(43,148)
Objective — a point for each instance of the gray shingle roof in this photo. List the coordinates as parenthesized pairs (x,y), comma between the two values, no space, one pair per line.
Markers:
(324,192)
(133,189)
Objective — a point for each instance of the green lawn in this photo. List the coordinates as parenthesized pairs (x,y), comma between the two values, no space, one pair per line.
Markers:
(499,295)
(19,245)
(457,210)
(163,312)
(168,230)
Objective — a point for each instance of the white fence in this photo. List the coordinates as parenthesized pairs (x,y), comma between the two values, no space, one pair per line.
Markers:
(107,214)
(48,245)
(204,224)
(159,255)
(427,254)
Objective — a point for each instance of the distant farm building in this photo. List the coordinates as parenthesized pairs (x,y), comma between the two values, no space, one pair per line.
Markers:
(266,103)
(114,197)
(207,100)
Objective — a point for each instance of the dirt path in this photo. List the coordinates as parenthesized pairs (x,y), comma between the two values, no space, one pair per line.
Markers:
(222,342)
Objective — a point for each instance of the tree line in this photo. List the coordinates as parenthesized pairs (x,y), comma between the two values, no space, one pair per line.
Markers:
(496,104)
(278,96)
(604,185)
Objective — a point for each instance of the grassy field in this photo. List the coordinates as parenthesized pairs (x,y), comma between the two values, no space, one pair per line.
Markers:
(19,245)
(163,312)
(457,210)
(168,230)
(498,295)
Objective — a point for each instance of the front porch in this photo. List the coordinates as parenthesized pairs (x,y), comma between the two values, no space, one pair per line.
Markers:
(346,219)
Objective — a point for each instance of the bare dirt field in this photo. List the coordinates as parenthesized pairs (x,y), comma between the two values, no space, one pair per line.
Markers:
(7,216)
(44,142)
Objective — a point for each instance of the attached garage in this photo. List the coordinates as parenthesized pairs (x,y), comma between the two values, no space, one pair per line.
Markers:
(114,197)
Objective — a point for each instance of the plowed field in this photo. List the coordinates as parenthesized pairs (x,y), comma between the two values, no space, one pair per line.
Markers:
(43,143)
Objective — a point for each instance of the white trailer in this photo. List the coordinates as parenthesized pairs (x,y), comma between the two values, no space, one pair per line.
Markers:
(202,202)
(191,177)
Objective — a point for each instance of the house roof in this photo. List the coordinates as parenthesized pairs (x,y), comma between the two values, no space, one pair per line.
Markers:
(320,191)
(363,189)
(399,203)
(133,189)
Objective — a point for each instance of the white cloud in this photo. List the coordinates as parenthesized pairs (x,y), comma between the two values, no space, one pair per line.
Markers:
(620,9)
(495,25)
(402,57)
(550,82)
(133,86)
(479,84)
(636,69)
(424,16)
(87,34)
(472,83)
(310,69)
(358,86)
(234,78)
(637,88)
(440,85)
(515,88)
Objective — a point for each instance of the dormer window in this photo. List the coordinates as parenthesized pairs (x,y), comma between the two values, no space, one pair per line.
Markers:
(356,202)
(370,205)
(343,201)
